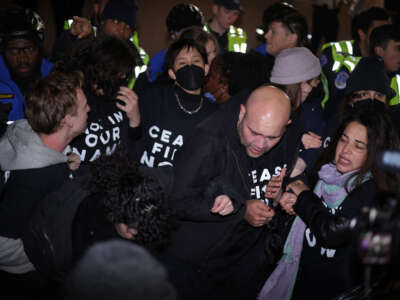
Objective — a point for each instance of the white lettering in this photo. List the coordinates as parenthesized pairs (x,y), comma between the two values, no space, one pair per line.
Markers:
(254,176)
(96,155)
(153,131)
(265,176)
(165,135)
(146,159)
(178,141)
(110,150)
(91,140)
(173,154)
(111,120)
(107,139)
(156,148)
(95,127)
(116,134)
(81,155)
(118,116)
(329,252)
(167,149)
(164,163)
(311,240)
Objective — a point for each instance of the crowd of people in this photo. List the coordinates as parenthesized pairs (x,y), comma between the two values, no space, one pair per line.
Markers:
(209,171)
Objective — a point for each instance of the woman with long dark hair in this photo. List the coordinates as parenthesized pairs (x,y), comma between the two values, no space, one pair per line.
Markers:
(318,259)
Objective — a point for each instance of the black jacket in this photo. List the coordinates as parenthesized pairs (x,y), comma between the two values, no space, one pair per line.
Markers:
(329,263)
(214,153)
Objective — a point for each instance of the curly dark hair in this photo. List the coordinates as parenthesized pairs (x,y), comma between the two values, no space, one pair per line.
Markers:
(105,61)
(133,199)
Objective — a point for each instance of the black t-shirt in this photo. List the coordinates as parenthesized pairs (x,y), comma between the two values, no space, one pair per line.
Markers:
(107,127)
(165,125)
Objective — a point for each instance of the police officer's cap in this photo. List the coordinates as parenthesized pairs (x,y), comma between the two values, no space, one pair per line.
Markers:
(370,74)
(19,23)
(230,4)
(121,10)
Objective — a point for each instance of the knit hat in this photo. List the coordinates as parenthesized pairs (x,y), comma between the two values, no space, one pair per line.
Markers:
(230,4)
(370,74)
(295,65)
(122,10)
(118,269)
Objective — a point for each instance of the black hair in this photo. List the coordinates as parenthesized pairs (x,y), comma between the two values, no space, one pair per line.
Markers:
(176,47)
(182,16)
(381,135)
(133,199)
(274,10)
(102,60)
(294,22)
(381,35)
(364,20)
(242,71)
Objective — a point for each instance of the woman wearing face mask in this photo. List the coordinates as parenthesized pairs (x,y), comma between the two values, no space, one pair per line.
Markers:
(169,112)
(296,71)
(368,86)
(319,256)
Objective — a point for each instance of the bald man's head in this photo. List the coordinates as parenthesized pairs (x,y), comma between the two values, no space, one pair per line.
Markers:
(263,120)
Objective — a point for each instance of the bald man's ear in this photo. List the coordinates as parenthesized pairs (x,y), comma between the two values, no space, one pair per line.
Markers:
(241,113)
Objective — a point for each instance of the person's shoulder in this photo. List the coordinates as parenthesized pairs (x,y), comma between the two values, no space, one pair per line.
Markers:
(46,67)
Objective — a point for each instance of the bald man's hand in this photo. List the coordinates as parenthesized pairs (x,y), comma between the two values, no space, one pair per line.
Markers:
(258,213)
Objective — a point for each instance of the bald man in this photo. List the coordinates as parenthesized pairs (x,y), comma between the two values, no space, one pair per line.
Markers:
(218,194)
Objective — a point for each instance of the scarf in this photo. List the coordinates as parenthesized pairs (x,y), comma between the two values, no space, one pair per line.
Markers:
(331,188)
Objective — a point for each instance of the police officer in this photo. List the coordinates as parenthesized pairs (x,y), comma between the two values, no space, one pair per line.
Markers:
(385,43)
(338,59)
(21,60)
(118,19)
(225,14)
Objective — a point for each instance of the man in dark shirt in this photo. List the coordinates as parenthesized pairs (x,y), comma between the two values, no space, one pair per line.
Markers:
(218,194)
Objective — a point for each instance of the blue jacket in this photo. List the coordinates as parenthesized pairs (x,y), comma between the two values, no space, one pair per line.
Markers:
(156,64)
(10,93)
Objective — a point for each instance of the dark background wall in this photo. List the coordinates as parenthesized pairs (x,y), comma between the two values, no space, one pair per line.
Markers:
(152,13)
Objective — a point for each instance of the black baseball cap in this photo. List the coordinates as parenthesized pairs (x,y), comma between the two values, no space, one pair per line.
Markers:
(230,4)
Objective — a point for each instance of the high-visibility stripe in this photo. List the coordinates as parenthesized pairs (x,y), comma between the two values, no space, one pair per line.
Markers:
(338,47)
(243,47)
(139,70)
(395,85)
(336,66)
(350,64)
(349,47)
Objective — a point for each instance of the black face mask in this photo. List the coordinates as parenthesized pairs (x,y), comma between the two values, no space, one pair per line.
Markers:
(369,104)
(190,77)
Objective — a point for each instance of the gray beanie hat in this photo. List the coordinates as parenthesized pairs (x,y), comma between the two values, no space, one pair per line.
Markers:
(295,65)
